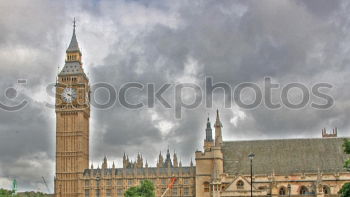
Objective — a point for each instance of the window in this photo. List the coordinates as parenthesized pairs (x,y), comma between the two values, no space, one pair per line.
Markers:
(282,191)
(130,182)
(87,193)
(303,190)
(206,187)
(163,181)
(240,184)
(175,192)
(186,181)
(120,192)
(97,193)
(119,182)
(87,183)
(108,193)
(98,183)
(186,191)
(109,182)
(326,190)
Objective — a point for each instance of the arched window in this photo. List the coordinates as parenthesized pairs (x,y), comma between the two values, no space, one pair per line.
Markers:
(240,184)
(206,187)
(326,190)
(303,190)
(282,191)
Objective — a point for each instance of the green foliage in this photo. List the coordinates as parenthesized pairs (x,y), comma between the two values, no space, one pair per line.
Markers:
(32,194)
(346,146)
(345,190)
(146,189)
(9,193)
(6,193)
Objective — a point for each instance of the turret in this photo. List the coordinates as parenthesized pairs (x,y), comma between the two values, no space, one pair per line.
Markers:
(208,141)
(175,160)
(160,160)
(208,132)
(218,133)
(104,164)
(139,161)
(168,162)
(125,161)
(325,134)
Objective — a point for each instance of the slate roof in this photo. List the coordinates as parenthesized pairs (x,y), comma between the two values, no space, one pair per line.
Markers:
(72,68)
(285,156)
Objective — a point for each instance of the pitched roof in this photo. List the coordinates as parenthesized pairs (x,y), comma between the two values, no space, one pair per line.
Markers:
(285,156)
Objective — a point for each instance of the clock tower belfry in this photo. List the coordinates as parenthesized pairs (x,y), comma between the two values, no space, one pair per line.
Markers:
(72,123)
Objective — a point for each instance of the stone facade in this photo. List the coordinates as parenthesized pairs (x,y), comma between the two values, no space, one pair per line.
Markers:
(290,167)
(108,182)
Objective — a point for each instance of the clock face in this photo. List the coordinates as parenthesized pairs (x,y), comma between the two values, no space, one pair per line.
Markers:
(69,95)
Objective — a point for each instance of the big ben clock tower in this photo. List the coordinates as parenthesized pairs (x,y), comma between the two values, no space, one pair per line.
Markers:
(72,123)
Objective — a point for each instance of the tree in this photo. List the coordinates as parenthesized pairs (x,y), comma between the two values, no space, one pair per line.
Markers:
(146,189)
(345,190)
(11,193)
(6,193)
(32,194)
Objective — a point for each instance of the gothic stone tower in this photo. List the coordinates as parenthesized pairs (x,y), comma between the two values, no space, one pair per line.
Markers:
(209,163)
(72,123)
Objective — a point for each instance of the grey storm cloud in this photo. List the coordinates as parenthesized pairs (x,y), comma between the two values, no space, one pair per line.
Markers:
(166,42)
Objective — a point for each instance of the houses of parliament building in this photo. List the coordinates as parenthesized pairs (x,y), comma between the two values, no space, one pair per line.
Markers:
(284,167)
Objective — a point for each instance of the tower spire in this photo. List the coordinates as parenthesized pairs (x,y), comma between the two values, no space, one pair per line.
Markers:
(74,25)
(73,45)
(208,132)
(217,122)
(218,133)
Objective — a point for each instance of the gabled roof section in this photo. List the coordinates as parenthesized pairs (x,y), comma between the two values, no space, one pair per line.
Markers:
(233,185)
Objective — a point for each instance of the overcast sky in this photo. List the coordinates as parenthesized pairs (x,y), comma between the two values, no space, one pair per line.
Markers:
(166,42)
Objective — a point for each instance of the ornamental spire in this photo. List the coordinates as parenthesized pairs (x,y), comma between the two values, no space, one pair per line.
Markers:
(217,122)
(73,45)
(208,132)
(218,133)
(74,24)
